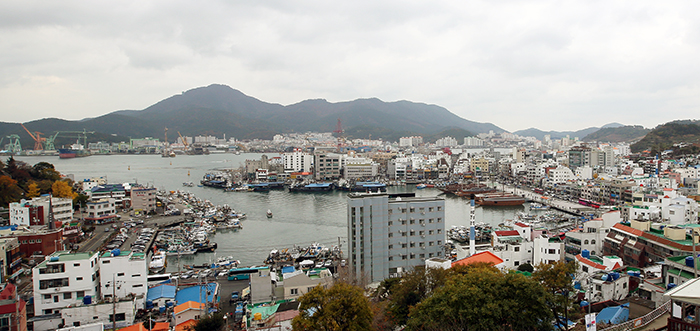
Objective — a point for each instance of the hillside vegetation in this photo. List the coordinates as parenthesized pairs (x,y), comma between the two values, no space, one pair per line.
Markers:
(629,133)
(663,137)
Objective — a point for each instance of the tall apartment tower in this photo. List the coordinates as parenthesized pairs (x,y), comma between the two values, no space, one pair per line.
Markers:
(390,233)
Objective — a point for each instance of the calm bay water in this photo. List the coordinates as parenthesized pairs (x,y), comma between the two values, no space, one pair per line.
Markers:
(299,218)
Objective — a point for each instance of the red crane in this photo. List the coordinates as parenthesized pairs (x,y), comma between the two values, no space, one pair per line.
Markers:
(339,131)
(38,139)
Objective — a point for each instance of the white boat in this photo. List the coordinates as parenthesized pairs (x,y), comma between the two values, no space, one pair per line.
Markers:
(180,250)
(157,263)
(269,213)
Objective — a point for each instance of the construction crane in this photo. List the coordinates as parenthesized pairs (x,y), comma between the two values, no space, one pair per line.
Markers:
(38,139)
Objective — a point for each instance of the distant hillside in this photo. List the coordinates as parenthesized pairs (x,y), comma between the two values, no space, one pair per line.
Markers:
(456,133)
(219,110)
(663,137)
(539,134)
(628,133)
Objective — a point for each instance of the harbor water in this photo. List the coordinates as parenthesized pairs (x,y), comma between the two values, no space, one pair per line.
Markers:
(299,218)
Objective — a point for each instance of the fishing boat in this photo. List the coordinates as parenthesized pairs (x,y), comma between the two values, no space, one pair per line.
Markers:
(178,250)
(421,186)
(269,213)
(157,264)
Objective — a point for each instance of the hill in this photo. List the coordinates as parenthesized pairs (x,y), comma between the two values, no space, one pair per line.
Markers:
(219,109)
(628,133)
(663,137)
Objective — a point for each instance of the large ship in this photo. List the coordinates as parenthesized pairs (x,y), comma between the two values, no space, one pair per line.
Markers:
(75,150)
(498,199)
(465,190)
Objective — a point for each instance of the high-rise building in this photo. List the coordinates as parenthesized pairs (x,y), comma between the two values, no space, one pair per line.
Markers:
(389,234)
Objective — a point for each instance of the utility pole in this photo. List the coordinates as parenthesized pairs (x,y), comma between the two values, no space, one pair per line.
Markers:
(114,304)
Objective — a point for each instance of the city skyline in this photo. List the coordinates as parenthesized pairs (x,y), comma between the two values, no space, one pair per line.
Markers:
(561,67)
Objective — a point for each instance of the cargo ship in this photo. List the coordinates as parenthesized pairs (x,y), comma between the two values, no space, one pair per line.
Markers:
(75,150)
(498,199)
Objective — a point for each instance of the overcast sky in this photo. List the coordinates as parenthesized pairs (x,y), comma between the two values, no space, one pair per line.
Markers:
(553,65)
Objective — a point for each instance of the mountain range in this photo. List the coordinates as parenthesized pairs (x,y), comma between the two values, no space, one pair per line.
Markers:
(221,110)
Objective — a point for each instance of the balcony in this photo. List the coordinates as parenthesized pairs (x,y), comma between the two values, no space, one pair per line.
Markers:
(676,324)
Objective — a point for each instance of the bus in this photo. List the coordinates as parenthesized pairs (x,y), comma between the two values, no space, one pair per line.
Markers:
(243,273)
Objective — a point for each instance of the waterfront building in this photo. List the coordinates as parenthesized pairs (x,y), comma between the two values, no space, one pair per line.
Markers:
(327,166)
(60,208)
(99,314)
(389,234)
(114,191)
(129,271)
(252,165)
(297,161)
(143,199)
(360,170)
(61,280)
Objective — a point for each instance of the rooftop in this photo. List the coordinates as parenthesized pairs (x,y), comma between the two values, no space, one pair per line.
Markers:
(64,256)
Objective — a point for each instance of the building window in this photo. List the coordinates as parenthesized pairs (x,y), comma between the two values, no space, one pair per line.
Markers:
(80,294)
(137,285)
(55,299)
(120,317)
(136,275)
(294,291)
(67,296)
(76,264)
(120,274)
(391,246)
(47,296)
(391,235)
(391,258)
(403,257)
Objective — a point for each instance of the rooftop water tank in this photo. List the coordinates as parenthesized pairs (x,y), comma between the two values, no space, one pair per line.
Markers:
(615,275)
(116,252)
(53,259)
(87,299)
(689,261)
(584,303)
(585,253)
(670,286)
(604,277)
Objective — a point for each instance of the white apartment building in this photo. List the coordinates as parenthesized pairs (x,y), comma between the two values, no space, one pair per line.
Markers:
(473,141)
(591,236)
(64,279)
(101,210)
(297,161)
(143,199)
(389,234)
(128,270)
(62,208)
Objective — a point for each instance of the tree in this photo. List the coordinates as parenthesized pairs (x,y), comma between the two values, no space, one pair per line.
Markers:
(32,190)
(45,170)
(9,191)
(61,189)
(484,299)
(412,288)
(209,323)
(526,267)
(557,279)
(341,307)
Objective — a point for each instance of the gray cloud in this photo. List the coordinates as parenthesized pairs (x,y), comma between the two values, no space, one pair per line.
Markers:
(518,64)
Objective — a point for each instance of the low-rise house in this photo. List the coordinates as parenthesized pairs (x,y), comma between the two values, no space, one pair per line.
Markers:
(299,282)
(190,310)
(13,310)
(89,312)
(161,296)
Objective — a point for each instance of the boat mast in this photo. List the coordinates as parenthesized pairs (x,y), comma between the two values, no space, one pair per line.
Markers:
(472,230)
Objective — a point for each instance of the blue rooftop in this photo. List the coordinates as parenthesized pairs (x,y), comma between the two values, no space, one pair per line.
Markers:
(196,293)
(108,188)
(319,185)
(161,291)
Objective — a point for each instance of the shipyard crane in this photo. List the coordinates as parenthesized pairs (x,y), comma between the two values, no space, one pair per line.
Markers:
(49,143)
(184,141)
(76,134)
(38,139)
(14,146)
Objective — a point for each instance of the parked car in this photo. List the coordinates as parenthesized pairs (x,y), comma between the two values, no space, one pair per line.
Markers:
(234,296)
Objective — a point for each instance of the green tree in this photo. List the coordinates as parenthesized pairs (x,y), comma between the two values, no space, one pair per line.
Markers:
(45,170)
(341,307)
(80,201)
(526,267)
(412,288)
(214,322)
(557,280)
(484,299)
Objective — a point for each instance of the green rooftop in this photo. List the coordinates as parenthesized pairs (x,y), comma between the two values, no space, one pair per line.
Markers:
(681,273)
(64,256)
